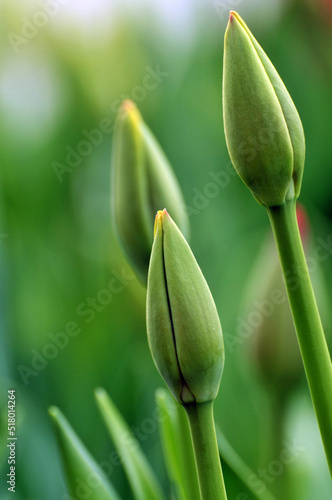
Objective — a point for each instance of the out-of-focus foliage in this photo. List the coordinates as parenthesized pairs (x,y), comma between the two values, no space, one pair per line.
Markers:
(84,476)
(177,446)
(143,482)
(72,312)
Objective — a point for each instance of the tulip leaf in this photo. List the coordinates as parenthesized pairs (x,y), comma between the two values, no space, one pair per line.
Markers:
(241,469)
(141,477)
(177,446)
(84,476)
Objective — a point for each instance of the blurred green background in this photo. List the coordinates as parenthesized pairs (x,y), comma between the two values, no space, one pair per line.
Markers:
(64,67)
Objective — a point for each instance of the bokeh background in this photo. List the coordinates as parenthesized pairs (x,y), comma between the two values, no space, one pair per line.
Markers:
(64,67)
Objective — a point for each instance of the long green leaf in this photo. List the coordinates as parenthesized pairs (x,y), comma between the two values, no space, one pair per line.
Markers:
(241,469)
(141,477)
(177,446)
(85,479)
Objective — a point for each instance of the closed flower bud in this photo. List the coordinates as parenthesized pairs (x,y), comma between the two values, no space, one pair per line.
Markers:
(263,130)
(142,182)
(183,326)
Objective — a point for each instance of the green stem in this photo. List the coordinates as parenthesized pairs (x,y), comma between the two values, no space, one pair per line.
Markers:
(201,422)
(311,338)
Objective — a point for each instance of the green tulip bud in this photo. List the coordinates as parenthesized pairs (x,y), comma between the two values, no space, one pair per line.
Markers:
(263,130)
(142,182)
(183,326)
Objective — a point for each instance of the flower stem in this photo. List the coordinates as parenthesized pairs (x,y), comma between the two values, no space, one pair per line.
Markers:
(201,422)
(311,338)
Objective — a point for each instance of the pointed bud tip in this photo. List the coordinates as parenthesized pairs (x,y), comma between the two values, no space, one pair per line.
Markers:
(54,413)
(232,21)
(158,219)
(99,392)
(128,105)
(129,109)
(160,213)
(233,15)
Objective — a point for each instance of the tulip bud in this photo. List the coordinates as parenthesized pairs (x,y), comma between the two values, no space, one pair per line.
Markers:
(142,182)
(183,326)
(263,130)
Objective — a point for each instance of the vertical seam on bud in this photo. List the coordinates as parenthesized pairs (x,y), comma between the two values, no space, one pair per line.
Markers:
(183,381)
